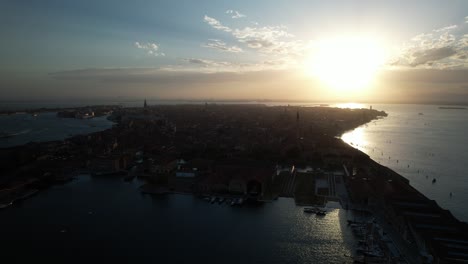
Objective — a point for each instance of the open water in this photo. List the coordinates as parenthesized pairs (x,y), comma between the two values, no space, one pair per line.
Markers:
(422,143)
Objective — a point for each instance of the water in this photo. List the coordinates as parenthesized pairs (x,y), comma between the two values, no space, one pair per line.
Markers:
(46,127)
(110,218)
(422,147)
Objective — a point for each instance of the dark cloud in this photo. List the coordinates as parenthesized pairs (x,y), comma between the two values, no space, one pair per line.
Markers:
(426,76)
(431,55)
(158,76)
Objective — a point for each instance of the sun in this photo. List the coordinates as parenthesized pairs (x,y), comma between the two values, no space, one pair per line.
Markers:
(345,64)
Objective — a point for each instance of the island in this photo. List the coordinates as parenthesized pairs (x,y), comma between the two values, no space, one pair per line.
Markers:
(247,153)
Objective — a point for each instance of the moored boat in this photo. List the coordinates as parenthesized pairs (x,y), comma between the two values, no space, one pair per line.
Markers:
(311,210)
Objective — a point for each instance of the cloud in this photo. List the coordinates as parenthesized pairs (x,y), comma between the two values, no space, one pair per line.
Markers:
(431,55)
(270,40)
(430,76)
(222,46)
(235,14)
(443,48)
(211,66)
(207,63)
(162,76)
(216,24)
(273,40)
(447,28)
(150,48)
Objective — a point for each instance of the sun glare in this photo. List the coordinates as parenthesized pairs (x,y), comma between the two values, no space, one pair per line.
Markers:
(345,64)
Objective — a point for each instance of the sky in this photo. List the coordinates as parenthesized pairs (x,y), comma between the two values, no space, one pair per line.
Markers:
(363,51)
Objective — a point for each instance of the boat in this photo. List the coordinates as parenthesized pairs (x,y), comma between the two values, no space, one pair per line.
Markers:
(434,180)
(311,210)
(213,199)
(220,200)
(240,201)
(320,213)
(233,202)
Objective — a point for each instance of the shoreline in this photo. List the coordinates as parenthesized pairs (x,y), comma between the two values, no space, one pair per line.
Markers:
(370,185)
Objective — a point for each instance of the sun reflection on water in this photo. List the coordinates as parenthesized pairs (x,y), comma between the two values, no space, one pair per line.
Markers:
(356,138)
(350,105)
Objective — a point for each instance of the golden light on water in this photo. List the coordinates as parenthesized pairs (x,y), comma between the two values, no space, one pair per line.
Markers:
(355,138)
(346,64)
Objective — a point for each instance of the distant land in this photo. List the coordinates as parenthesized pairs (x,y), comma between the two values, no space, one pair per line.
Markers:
(33,105)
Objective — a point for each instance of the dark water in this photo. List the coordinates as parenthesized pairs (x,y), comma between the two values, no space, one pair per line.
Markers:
(46,127)
(109,218)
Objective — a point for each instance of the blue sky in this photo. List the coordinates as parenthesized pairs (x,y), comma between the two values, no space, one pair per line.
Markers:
(43,43)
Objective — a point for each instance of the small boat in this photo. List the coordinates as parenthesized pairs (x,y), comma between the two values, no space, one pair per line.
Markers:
(434,180)
(320,213)
(233,202)
(311,210)
(207,199)
(213,199)
(220,200)
(240,201)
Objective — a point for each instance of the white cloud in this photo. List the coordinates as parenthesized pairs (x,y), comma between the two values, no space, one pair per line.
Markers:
(216,24)
(443,48)
(285,50)
(270,39)
(447,28)
(150,48)
(222,46)
(235,14)
(211,66)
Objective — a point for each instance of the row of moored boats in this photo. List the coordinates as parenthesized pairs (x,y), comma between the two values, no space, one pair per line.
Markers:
(315,210)
(220,200)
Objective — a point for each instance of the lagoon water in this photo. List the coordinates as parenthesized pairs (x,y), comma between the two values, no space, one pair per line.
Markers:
(91,218)
(46,127)
(422,143)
